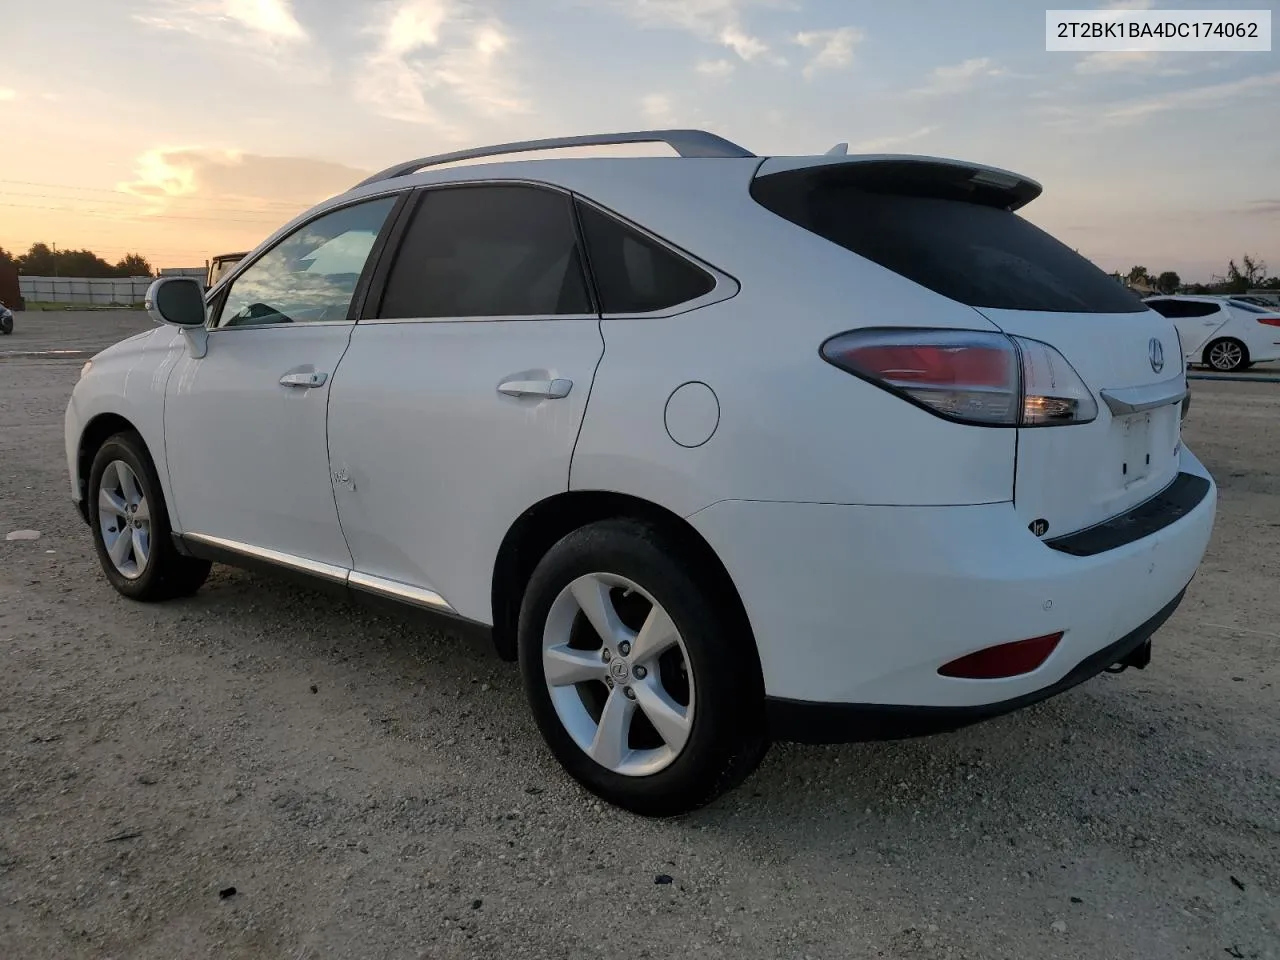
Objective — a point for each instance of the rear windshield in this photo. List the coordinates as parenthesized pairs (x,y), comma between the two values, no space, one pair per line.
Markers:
(976,253)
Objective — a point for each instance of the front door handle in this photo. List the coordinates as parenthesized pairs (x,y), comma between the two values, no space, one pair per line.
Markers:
(314,379)
(548,389)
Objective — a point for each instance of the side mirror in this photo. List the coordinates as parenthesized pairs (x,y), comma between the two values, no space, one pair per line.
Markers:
(177,301)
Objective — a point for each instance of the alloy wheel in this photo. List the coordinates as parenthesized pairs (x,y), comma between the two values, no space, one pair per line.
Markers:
(1225,355)
(619,675)
(124,519)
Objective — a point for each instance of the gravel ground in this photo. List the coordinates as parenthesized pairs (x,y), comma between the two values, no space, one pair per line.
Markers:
(373,787)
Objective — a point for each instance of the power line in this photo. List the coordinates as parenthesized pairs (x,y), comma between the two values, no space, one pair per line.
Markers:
(124,193)
(159,216)
(212,205)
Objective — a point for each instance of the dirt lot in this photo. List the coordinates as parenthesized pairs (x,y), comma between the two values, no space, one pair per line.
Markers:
(373,787)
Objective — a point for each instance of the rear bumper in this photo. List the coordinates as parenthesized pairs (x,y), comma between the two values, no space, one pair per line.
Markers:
(858,606)
(802,721)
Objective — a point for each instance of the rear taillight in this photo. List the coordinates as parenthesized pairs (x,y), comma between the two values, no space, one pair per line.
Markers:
(1269,321)
(970,376)
(1004,660)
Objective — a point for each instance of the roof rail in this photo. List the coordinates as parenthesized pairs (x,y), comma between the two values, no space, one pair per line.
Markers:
(687,143)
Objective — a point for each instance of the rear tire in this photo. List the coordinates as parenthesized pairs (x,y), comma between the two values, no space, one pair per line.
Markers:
(689,720)
(6,325)
(1226,355)
(130,525)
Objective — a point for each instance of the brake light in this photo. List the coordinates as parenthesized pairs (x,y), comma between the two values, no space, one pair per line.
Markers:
(970,376)
(1004,660)
(1269,321)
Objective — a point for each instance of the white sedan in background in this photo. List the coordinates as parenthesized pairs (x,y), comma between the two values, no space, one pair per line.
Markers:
(1224,333)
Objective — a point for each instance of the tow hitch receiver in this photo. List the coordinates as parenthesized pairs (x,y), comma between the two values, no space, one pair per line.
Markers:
(1138,658)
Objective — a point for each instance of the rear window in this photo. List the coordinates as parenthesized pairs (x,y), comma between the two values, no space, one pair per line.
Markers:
(978,253)
(1249,307)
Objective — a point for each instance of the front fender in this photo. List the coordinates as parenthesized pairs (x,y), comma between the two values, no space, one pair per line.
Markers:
(126,383)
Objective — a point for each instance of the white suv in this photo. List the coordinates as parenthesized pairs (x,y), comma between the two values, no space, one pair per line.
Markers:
(723,448)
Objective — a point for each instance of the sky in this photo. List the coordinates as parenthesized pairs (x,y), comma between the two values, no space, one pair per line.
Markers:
(181,129)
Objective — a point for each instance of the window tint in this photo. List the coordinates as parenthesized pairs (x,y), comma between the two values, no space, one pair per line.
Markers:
(633,273)
(310,275)
(979,254)
(488,251)
(1198,308)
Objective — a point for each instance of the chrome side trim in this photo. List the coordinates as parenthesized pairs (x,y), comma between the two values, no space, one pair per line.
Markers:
(1149,396)
(325,570)
(418,596)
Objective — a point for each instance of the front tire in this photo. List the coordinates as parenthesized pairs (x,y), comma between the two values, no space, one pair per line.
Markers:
(643,680)
(1226,355)
(130,525)
(6,324)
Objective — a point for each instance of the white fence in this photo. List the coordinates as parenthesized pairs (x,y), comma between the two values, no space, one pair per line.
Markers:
(126,290)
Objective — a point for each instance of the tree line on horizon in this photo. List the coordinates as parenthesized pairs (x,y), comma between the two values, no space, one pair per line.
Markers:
(1250,274)
(44,261)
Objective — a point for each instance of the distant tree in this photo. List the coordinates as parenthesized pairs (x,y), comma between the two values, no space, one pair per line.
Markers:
(1137,275)
(1271,283)
(38,261)
(134,265)
(1168,282)
(7,258)
(83,263)
(1239,279)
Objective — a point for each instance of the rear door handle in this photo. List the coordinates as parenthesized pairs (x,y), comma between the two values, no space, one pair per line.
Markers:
(314,379)
(549,389)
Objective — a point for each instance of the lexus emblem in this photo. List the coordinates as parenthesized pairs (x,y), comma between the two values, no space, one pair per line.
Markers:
(1155,350)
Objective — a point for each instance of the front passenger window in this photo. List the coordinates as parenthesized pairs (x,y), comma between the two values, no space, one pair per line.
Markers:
(311,275)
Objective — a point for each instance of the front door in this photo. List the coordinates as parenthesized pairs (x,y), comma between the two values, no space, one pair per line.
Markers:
(245,423)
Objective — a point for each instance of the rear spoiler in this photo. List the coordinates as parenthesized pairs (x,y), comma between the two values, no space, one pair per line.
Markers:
(917,176)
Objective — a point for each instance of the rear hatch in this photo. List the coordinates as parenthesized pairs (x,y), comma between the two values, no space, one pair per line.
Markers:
(951,227)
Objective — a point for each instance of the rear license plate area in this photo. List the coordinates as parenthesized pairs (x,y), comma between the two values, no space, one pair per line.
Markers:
(1135,447)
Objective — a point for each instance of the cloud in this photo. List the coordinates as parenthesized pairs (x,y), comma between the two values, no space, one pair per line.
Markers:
(1117,61)
(959,77)
(267,21)
(715,68)
(888,143)
(273,18)
(431,55)
(8,93)
(164,176)
(657,109)
(264,31)
(713,21)
(1262,208)
(1195,97)
(833,48)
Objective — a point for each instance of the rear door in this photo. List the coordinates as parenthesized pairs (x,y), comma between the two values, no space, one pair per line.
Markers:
(458,402)
(952,228)
(1196,320)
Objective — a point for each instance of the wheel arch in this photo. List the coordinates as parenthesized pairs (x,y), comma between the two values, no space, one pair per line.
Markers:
(542,525)
(95,433)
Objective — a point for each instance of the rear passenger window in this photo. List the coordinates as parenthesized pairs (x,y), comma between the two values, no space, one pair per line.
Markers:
(633,273)
(1197,308)
(496,250)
